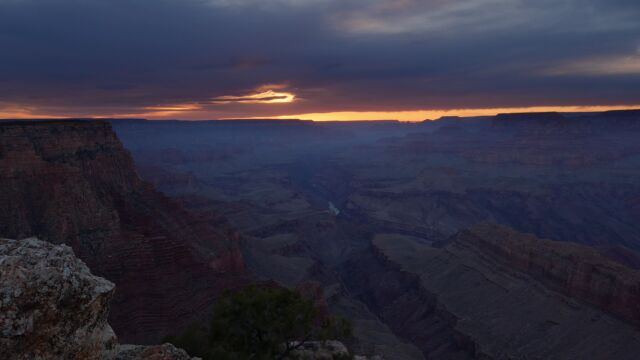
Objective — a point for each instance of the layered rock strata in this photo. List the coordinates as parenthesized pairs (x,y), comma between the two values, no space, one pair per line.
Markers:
(500,294)
(73,182)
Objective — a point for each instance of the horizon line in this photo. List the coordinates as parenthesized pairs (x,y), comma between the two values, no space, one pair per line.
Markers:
(410,116)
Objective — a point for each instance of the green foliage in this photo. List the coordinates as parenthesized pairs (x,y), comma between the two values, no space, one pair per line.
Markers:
(261,324)
(195,339)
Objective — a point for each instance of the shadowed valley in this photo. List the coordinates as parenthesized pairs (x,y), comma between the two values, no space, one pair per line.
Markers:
(375,213)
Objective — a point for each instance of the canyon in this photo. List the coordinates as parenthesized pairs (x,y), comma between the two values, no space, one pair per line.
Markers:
(507,237)
(314,200)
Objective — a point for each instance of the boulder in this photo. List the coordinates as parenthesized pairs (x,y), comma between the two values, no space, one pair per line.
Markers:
(159,352)
(51,306)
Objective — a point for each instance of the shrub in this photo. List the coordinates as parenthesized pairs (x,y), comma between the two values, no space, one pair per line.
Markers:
(260,323)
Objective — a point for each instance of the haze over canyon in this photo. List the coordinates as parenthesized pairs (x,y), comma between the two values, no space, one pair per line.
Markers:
(319,179)
(514,236)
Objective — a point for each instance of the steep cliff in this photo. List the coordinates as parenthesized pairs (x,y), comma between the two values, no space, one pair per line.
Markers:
(406,306)
(73,182)
(493,293)
(578,271)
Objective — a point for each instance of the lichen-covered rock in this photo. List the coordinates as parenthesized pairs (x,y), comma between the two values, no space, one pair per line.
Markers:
(159,352)
(51,306)
(321,350)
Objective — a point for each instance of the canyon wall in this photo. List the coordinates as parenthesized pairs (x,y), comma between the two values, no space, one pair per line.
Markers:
(73,182)
(500,294)
(577,271)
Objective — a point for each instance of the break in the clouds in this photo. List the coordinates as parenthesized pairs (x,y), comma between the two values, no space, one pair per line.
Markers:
(216,58)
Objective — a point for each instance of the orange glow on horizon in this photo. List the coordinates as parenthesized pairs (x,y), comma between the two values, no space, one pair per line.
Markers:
(194,111)
(420,115)
(174,108)
(21,112)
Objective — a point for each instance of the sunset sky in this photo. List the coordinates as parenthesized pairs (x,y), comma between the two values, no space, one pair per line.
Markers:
(316,59)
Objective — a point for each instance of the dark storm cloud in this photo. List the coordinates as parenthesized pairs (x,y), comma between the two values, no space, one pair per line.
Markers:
(121,56)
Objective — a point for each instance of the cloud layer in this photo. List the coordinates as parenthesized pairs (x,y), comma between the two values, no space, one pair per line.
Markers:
(192,58)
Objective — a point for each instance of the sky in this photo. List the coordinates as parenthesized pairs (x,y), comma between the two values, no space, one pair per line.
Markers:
(316,59)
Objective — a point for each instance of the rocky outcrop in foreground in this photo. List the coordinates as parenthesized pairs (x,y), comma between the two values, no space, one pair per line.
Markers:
(159,352)
(52,307)
(326,350)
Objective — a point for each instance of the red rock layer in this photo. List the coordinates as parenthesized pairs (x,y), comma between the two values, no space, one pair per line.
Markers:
(73,182)
(575,270)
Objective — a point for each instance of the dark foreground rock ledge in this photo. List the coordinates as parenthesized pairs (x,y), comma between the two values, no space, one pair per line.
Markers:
(52,307)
